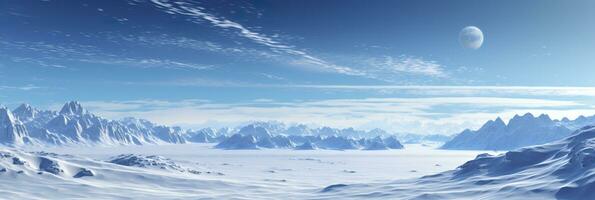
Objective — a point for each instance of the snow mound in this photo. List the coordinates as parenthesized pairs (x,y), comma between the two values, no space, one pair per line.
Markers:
(144,161)
(564,169)
(152,162)
(18,162)
(39,175)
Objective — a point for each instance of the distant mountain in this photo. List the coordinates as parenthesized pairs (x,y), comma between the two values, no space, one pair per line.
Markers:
(306,146)
(520,131)
(279,128)
(206,135)
(419,138)
(74,125)
(257,136)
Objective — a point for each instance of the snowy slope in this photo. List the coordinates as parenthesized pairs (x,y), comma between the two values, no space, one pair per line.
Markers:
(520,131)
(40,175)
(12,131)
(564,169)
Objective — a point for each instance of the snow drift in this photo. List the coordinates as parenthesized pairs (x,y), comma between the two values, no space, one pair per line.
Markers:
(564,169)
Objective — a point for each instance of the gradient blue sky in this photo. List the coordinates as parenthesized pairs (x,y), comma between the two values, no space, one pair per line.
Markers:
(390,64)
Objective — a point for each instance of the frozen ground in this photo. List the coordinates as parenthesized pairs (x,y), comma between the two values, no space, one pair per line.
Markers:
(238,173)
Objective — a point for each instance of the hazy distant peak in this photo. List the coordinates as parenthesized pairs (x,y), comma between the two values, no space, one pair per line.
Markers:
(72,108)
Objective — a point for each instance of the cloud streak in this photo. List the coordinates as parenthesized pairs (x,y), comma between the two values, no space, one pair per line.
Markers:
(409,65)
(199,14)
(445,115)
(58,56)
(23,88)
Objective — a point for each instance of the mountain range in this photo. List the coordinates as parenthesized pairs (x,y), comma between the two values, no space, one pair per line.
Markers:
(74,125)
(521,131)
(256,136)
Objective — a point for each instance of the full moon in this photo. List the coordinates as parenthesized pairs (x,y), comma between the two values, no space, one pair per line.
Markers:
(471,37)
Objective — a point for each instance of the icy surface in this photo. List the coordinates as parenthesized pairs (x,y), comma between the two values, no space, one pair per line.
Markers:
(219,174)
(563,169)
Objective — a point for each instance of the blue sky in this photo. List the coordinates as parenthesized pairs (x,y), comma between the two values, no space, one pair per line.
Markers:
(396,65)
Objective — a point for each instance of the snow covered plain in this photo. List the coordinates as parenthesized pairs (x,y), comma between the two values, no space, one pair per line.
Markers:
(198,171)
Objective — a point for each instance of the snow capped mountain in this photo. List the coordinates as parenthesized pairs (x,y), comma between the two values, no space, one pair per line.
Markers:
(376,144)
(257,135)
(73,108)
(338,143)
(392,143)
(25,112)
(12,131)
(75,125)
(277,128)
(238,141)
(255,130)
(525,130)
(205,135)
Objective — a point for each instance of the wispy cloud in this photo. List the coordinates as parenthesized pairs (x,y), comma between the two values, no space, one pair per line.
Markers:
(199,15)
(55,56)
(417,90)
(36,61)
(464,90)
(24,87)
(153,40)
(272,77)
(148,63)
(421,115)
(408,65)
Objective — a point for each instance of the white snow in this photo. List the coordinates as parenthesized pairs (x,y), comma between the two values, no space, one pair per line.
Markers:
(241,174)
(564,169)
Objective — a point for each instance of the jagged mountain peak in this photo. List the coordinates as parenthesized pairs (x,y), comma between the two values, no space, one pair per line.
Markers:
(24,106)
(530,119)
(75,125)
(493,125)
(525,116)
(73,108)
(255,130)
(25,111)
(544,117)
(499,120)
(524,130)
(6,116)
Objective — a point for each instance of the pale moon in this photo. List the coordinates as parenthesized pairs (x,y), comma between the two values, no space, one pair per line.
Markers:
(471,37)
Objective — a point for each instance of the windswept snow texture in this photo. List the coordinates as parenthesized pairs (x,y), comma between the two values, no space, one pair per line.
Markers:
(41,175)
(198,171)
(521,131)
(563,169)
